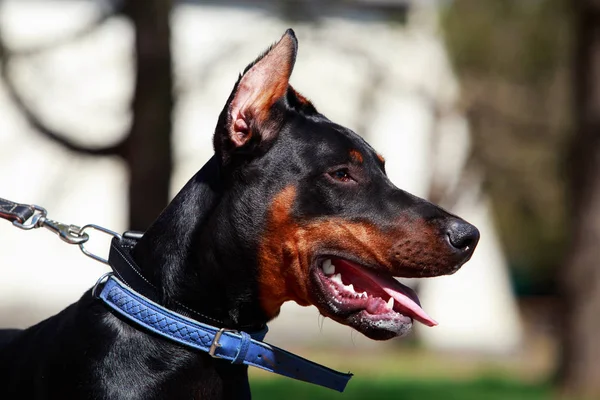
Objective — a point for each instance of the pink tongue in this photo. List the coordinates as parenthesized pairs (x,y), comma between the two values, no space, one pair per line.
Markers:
(404,296)
(406,299)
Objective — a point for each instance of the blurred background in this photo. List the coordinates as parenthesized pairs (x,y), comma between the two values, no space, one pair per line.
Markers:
(488,107)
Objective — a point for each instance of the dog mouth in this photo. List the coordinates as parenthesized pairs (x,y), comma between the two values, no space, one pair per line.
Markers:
(373,302)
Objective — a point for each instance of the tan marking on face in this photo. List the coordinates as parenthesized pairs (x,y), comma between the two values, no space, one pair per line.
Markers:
(380,158)
(286,252)
(356,156)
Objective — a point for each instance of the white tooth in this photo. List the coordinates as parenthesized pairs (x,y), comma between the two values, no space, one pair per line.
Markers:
(337,278)
(390,303)
(364,294)
(350,288)
(328,267)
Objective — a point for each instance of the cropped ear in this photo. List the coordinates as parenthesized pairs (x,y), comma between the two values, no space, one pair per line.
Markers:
(247,115)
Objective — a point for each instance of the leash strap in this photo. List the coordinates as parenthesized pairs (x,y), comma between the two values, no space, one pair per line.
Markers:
(237,347)
(15,212)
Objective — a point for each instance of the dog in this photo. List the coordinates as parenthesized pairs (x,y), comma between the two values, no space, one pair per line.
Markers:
(291,207)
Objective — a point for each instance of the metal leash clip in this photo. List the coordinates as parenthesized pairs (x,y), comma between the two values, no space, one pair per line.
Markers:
(71,234)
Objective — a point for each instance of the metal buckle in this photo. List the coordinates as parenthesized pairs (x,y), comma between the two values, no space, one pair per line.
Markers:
(215,343)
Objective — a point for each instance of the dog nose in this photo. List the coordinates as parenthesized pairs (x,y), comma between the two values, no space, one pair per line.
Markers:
(462,235)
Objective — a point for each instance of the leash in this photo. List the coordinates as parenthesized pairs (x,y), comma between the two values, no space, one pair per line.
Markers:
(126,291)
(31,216)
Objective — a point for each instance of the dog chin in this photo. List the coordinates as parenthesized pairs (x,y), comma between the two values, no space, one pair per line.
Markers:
(378,327)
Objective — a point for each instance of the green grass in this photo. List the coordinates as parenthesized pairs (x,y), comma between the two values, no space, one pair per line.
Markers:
(419,389)
(409,373)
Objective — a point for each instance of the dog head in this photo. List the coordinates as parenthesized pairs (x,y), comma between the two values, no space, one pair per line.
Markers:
(317,213)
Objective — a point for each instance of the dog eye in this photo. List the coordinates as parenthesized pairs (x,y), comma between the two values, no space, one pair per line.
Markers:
(341,175)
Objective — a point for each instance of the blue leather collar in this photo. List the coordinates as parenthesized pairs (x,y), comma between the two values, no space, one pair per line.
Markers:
(235,346)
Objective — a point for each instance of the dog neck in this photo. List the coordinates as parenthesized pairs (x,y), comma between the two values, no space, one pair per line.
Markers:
(195,255)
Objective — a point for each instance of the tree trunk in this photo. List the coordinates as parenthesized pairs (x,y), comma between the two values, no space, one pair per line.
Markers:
(149,151)
(580,277)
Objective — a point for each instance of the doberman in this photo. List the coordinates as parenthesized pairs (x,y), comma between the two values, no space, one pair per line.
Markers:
(291,207)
